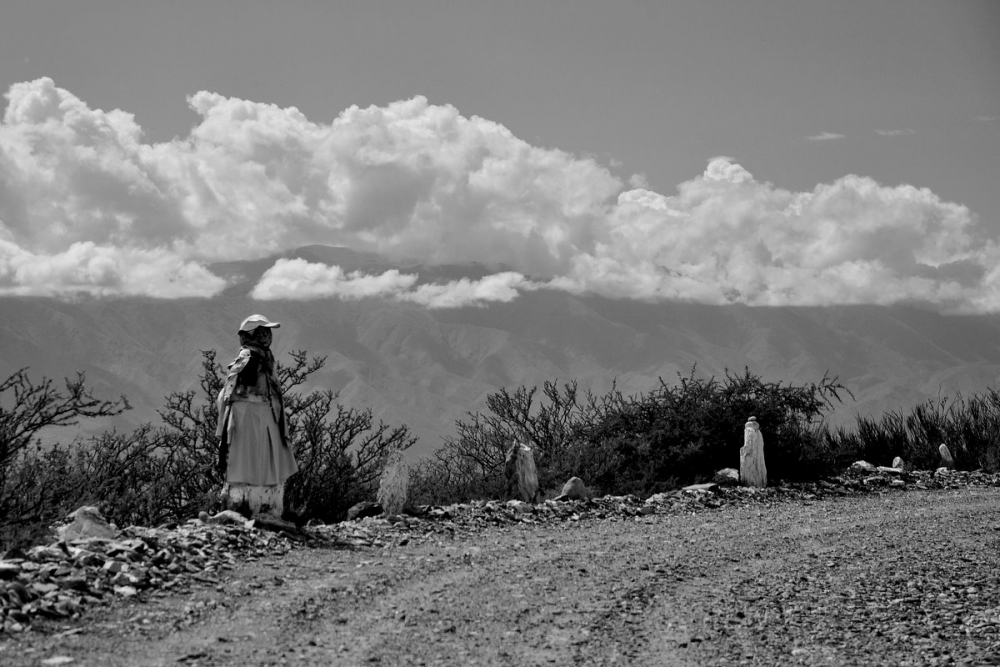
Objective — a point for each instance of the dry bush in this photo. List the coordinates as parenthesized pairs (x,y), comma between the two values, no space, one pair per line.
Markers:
(675,434)
(393,486)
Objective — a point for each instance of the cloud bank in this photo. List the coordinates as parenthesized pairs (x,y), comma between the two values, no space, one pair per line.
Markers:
(86,206)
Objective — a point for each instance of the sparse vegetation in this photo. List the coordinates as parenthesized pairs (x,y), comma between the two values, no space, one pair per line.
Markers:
(677,433)
(969,425)
(170,472)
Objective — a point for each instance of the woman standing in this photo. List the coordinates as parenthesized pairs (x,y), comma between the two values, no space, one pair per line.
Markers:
(254,448)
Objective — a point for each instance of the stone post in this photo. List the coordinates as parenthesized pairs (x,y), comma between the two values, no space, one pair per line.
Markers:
(947,461)
(753,472)
(520,473)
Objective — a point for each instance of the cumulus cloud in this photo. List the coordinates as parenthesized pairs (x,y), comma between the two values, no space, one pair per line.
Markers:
(502,287)
(89,269)
(825,136)
(725,237)
(86,205)
(904,132)
(298,279)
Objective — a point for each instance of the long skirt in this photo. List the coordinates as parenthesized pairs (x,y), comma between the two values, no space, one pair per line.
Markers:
(257,454)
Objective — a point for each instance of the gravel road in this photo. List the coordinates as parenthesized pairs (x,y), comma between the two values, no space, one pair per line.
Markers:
(901,578)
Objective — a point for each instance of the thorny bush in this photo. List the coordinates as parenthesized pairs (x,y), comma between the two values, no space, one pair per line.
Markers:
(676,434)
(169,472)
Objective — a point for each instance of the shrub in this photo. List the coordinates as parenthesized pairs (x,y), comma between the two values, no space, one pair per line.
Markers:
(170,472)
(36,485)
(676,434)
(340,450)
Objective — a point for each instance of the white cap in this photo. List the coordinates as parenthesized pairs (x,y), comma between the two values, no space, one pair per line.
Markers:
(254,321)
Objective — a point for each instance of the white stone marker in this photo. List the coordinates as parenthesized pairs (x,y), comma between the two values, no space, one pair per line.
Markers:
(753,472)
(946,459)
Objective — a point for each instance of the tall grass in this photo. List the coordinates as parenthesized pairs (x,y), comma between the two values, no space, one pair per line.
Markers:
(969,425)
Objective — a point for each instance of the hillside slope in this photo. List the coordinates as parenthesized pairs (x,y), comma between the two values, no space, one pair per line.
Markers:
(427,368)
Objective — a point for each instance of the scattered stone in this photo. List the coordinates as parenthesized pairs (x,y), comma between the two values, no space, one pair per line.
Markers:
(946,459)
(275,525)
(59,580)
(573,489)
(863,466)
(62,579)
(727,477)
(86,522)
(520,506)
(753,472)
(363,509)
(224,517)
(708,486)
(898,463)
(9,570)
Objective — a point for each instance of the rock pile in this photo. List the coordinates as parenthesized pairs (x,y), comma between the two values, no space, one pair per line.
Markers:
(59,579)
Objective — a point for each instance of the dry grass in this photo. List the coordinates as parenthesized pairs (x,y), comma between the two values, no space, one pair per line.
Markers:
(394,484)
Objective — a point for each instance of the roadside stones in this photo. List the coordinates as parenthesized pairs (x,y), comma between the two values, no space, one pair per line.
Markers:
(224,517)
(753,472)
(573,489)
(727,477)
(520,506)
(60,579)
(363,509)
(699,488)
(520,473)
(946,459)
(86,522)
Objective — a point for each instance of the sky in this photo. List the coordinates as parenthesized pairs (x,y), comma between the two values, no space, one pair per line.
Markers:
(780,152)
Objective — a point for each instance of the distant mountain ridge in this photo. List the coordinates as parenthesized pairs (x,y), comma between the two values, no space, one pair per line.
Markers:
(427,368)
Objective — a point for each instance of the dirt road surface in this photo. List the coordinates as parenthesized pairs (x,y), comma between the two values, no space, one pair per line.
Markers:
(895,579)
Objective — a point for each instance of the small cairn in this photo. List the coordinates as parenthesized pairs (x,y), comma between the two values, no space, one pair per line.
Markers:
(753,472)
(519,471)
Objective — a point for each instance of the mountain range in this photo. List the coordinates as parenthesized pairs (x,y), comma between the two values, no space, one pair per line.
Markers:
(428,367)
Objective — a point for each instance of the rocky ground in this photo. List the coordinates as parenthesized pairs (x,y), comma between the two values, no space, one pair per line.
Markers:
(875,567)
